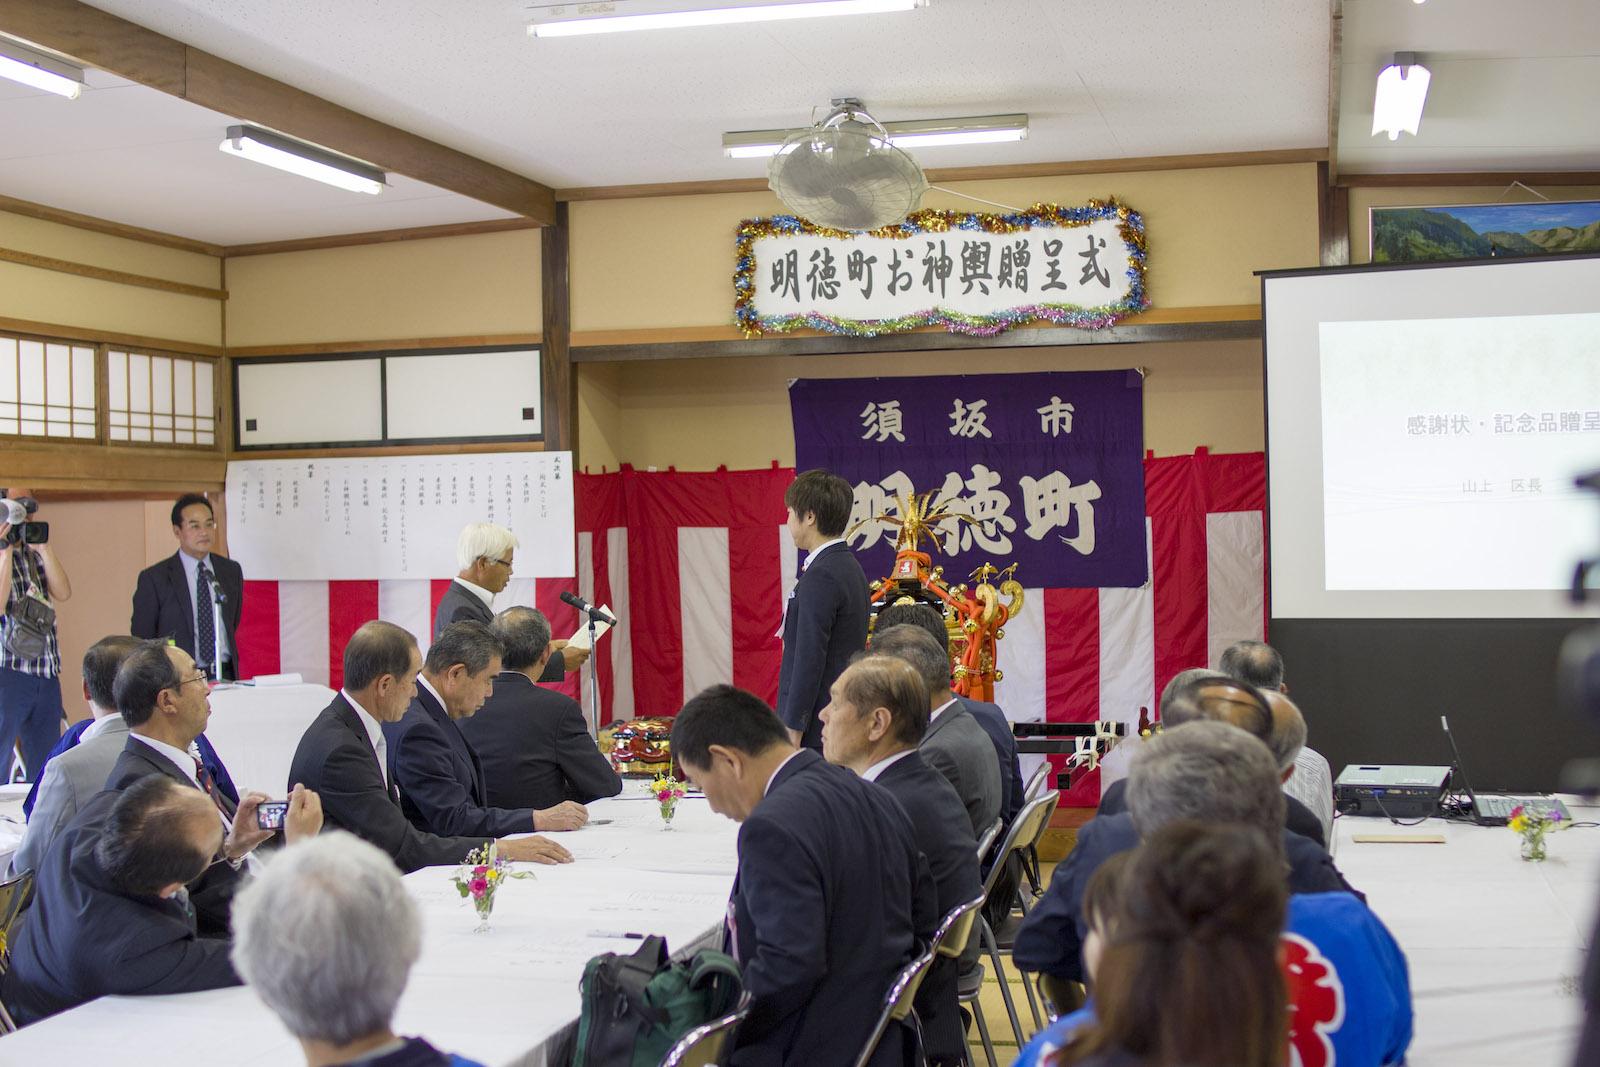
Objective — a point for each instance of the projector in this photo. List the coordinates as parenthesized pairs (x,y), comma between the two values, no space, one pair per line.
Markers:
(1390,791)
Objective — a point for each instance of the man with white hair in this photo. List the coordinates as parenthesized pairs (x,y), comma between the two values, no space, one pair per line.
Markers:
(485,552)
(326,937)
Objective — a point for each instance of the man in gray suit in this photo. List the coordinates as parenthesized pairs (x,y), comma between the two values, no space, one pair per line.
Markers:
(955,745)
(485,553)
(79,773)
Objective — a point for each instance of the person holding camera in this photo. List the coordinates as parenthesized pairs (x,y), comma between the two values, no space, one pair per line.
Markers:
(30,654)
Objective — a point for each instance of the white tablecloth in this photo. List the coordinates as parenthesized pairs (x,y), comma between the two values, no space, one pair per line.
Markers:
(255,730)
(12,822)
(1495,945)
(503,997)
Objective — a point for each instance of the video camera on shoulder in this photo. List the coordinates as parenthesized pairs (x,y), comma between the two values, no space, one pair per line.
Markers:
(15,513)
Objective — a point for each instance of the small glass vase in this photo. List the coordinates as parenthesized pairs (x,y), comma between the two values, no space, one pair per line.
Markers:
(669,808)
(1533,847)
(484,906)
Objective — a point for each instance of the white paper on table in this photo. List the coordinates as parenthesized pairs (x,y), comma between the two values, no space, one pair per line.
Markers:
(581,638)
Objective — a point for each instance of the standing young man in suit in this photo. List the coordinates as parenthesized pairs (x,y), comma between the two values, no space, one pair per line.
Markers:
(534,742)
(194,596)
(873,725)
(343,756)
(825,620)
(831,898)
(485,552)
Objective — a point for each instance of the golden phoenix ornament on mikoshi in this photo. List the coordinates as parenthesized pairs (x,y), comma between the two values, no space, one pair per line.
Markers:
(973,617)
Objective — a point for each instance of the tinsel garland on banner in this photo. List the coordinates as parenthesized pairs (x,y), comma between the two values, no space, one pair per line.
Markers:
(932,220)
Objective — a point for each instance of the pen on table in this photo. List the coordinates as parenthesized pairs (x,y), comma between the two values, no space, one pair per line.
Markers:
(617,934)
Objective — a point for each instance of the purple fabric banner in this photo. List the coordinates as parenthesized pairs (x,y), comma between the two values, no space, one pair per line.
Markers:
(1050,464)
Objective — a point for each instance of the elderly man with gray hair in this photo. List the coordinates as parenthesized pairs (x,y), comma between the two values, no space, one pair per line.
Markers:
(326,937)
(1207,771)
(485,553)
(1310,782)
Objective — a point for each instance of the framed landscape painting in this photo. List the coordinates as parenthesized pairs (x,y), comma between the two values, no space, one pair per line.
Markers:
(1479,231)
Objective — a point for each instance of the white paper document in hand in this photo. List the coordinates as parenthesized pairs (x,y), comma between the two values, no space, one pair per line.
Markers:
(581,638)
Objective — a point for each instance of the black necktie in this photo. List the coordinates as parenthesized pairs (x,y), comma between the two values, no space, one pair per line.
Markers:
(205,631)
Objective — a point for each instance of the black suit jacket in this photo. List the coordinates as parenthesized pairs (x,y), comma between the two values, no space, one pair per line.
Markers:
(939,824)
(162,606)
(1050,939)
(1297,817)
(440,778)
(83,938)
(998,727)
(824,625)
(535,747)
(212,894)
(831,899)
(335,758)
(460,604)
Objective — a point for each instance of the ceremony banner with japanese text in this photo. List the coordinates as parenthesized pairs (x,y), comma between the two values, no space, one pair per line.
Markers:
(972,273)
(1050,466)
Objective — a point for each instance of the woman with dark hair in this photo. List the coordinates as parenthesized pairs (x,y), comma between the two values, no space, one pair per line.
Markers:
(1184,957)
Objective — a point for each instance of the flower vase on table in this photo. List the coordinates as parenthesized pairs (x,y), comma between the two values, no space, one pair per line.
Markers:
(480,876)
(1532,825)
(668,791)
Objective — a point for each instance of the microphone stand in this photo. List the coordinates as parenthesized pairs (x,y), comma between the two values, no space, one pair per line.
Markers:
(594,682)
(217,600)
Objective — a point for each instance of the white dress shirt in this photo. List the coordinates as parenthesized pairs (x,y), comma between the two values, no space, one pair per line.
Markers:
(934,714)
(815,552)
(775,771)
(184,760)
(480,592)
(374,728)
(872,772)
(191,572)
(1312,785)
(98,727)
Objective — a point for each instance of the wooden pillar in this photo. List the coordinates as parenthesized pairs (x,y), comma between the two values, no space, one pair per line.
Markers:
(560,380)
(1333,220)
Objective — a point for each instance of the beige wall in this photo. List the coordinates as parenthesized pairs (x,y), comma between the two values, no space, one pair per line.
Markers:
(103,545)
(697,413)
(1363,200)
(442,287)
(668,262)
(50,296)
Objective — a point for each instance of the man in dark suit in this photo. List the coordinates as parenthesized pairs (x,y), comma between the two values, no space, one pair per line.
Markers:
(162,697)
(485,553)
(437,770)
(534,743)
(343,756)
(1267,716)
(989,716)
(194,596)
(1206,771)
(872,724)
(831,898)
(954,744)
(111,913)
(825,619)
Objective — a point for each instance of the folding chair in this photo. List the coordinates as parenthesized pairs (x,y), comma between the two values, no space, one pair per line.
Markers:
(1030,857)
(1024,828)
(897,1002)
(14,896)
(1006,936)
(709,1044)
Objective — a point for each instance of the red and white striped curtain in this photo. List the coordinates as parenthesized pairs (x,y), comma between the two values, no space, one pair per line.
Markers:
(697,567)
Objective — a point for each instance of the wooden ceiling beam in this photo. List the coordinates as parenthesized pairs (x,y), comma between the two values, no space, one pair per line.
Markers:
(130,51)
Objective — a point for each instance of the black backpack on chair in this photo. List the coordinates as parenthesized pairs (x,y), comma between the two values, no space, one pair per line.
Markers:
(635,1007)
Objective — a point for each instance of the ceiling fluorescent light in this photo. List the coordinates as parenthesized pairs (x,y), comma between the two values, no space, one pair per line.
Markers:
(572,20)
(297,157)
(39,71)
(921,133)
(1402,89)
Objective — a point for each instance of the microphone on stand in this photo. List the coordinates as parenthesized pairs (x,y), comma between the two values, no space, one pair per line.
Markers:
(588,609)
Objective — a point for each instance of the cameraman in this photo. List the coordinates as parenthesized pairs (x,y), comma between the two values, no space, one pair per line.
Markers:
(30,655)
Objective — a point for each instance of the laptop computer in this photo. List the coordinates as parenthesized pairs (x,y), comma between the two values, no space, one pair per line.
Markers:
(1494,809)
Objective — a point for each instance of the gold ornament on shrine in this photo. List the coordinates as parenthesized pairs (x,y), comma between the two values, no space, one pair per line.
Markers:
(974,618)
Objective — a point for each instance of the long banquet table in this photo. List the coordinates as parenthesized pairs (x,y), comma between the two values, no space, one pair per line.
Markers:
(1495,945)
(507,996)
